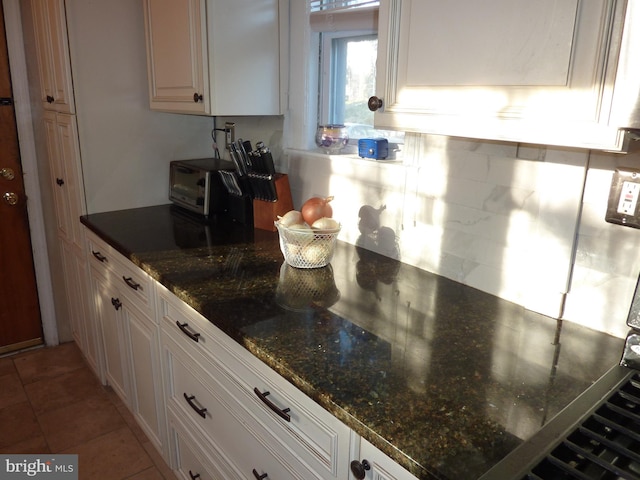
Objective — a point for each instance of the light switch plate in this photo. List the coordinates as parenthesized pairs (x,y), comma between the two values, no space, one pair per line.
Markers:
(624,198)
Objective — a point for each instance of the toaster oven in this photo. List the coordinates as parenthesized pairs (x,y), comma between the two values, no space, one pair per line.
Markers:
(197,186)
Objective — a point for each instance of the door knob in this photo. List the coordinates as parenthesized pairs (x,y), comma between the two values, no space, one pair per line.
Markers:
(7,173)
(375,103)
(11,198)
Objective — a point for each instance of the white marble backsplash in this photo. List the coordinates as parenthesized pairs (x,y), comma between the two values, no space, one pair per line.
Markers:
(507,219)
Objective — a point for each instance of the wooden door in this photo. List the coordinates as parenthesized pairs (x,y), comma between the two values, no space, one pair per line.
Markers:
(20,324)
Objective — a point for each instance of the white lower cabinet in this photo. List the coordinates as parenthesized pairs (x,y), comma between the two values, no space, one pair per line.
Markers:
(83,326)
(369,463)
(125,311)
(262,425)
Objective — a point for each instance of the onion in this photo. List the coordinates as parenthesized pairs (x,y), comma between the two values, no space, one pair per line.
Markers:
(315,208)
(325,223)
(290,218)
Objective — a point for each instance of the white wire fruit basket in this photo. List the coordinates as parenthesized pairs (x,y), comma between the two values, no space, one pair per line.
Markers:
(307,248)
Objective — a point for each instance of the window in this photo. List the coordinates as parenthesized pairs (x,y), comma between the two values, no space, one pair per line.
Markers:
(348,51)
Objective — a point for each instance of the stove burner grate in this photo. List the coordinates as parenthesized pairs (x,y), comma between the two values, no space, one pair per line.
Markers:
(604,446)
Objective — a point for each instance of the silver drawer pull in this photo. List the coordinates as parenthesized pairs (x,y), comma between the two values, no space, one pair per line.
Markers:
(190,400)
(282,413)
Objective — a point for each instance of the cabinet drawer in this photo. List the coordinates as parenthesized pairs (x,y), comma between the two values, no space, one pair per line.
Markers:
(192,460)
(129,279)
(204,404)
(258,393)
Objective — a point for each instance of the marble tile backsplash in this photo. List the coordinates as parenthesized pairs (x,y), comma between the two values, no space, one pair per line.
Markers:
(507,219)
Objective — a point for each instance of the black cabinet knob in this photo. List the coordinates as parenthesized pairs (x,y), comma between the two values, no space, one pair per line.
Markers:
(359,469)
(117,304)
(197,97)
(59,181)
(374,103)
(50,99)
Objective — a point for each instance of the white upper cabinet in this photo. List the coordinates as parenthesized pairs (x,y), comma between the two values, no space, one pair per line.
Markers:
(52,48)
(515,70)
(222,57)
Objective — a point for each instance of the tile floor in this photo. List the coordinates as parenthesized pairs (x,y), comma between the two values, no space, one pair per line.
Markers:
(51,402)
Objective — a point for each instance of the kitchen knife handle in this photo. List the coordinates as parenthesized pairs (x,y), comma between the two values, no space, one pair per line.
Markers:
(200,411)
(129,281)
(284,413)
(183,326)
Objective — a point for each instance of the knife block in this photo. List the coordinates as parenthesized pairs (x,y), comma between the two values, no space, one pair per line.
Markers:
(265,213)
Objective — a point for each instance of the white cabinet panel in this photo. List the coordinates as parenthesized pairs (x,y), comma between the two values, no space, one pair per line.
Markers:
(66,175)
(536,72)
(217,57)
(107,306)
(52,49)
(375,465)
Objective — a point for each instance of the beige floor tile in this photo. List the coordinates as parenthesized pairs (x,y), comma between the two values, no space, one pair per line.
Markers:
(6,366)
(75,424)
(48,362)
(17,423)
(158,461)
(116,455)
(11,390)
(149,474)
(33,445)
(64,390)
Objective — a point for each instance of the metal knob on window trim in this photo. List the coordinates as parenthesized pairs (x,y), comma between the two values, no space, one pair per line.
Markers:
(10,198)
(375,103)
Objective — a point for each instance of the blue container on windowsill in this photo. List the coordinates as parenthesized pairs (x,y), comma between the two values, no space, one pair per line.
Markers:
(377,148)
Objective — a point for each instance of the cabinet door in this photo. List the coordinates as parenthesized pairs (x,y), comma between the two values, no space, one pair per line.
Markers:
(108,308)
(67,133)
(64,163)
(540,72)
(146,385)
(176,55)
(52,50)
(58,176)
(77,285)
(375,465)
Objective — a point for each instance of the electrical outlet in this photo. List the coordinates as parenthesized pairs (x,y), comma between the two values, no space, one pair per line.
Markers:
(624,198)
(229,134)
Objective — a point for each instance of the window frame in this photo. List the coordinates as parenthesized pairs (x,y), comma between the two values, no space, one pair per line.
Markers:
(329,70)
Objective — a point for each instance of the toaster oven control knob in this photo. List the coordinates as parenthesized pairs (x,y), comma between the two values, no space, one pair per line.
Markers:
(197,97)
(359,469)
(374,103)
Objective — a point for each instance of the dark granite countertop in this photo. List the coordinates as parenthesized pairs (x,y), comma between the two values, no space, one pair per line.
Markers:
(444,378)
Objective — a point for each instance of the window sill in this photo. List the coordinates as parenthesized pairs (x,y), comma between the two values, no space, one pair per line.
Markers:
(350,153)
